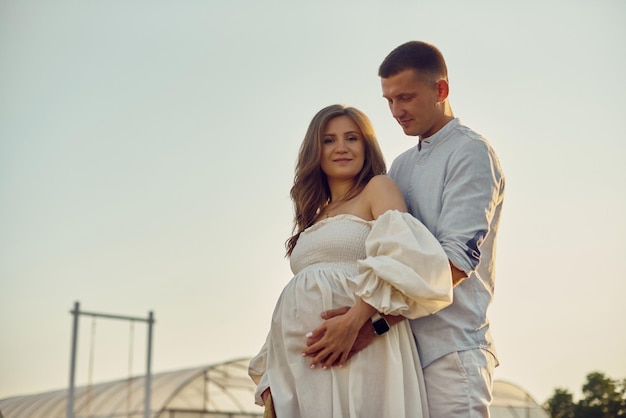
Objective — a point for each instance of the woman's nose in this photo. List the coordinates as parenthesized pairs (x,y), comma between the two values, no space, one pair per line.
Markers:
(342,146)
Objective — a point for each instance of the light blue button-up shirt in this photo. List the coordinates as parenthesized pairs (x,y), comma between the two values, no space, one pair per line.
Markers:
(455,186)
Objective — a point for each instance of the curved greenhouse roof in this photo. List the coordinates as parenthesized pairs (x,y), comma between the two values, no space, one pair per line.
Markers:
(222,390)
(511,401)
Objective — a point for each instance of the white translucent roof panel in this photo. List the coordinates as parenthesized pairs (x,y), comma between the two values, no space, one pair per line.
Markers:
(207,390)
(220,390)
(511,401)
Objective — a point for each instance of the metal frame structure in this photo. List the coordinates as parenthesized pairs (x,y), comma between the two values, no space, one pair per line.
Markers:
(150,321)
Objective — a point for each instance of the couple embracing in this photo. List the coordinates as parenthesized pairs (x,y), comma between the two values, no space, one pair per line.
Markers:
(400,266)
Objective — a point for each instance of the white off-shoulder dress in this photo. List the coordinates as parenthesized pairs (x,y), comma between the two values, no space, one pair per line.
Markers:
(396,265)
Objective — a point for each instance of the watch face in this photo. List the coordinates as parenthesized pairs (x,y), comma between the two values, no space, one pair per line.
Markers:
(380,326)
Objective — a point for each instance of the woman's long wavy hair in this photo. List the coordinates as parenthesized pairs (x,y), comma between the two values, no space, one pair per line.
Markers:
(310,191)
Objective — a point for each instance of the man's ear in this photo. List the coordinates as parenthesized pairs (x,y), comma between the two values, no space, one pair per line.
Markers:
(442,90)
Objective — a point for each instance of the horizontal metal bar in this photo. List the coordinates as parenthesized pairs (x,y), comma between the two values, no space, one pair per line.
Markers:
(110,316)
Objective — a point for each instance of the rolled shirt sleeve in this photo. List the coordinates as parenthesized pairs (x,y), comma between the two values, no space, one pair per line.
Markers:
(472,193)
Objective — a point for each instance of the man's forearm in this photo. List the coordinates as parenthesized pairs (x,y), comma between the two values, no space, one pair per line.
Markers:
(394,319)
(457,275)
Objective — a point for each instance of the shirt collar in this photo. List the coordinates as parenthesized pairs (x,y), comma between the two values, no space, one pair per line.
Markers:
(441,133)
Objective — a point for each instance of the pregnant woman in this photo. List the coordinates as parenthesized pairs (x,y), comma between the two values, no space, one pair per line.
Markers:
(353,245)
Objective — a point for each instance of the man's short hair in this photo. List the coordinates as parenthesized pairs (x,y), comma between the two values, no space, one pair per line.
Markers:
(420,56)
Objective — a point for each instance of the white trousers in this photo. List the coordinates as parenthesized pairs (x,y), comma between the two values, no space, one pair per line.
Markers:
(460,384)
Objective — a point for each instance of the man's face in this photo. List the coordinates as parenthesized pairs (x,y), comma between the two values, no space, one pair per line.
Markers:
(414,102)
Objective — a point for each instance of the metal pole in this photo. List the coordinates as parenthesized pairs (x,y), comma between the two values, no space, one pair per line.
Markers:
(76,312)
(148,388)
(70,394)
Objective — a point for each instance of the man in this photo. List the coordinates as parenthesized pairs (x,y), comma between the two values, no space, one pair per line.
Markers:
(453,183)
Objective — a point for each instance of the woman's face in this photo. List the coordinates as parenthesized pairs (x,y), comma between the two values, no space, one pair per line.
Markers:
(343,149)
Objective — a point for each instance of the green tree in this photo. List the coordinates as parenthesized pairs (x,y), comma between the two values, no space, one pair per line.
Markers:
(602,398)
(561,404)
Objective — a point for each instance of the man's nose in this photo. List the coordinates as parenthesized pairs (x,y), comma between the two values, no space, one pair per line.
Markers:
(396,110)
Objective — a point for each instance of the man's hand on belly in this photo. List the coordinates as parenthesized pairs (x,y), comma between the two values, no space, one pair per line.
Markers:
(366,334)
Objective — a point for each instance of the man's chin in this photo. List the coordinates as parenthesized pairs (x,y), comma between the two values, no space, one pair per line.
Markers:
(410,132)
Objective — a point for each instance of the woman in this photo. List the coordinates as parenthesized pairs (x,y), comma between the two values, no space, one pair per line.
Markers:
(353,245)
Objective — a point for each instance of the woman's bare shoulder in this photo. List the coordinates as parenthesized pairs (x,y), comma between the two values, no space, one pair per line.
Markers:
(381,181)
(383,194)
(382,184)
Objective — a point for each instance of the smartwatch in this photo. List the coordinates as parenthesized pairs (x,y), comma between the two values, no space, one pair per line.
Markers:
(380,324)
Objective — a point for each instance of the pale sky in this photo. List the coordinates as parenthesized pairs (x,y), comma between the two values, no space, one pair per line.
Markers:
(147,149)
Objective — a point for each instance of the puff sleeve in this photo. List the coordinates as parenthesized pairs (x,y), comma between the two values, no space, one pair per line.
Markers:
(256,371)
(406,271)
